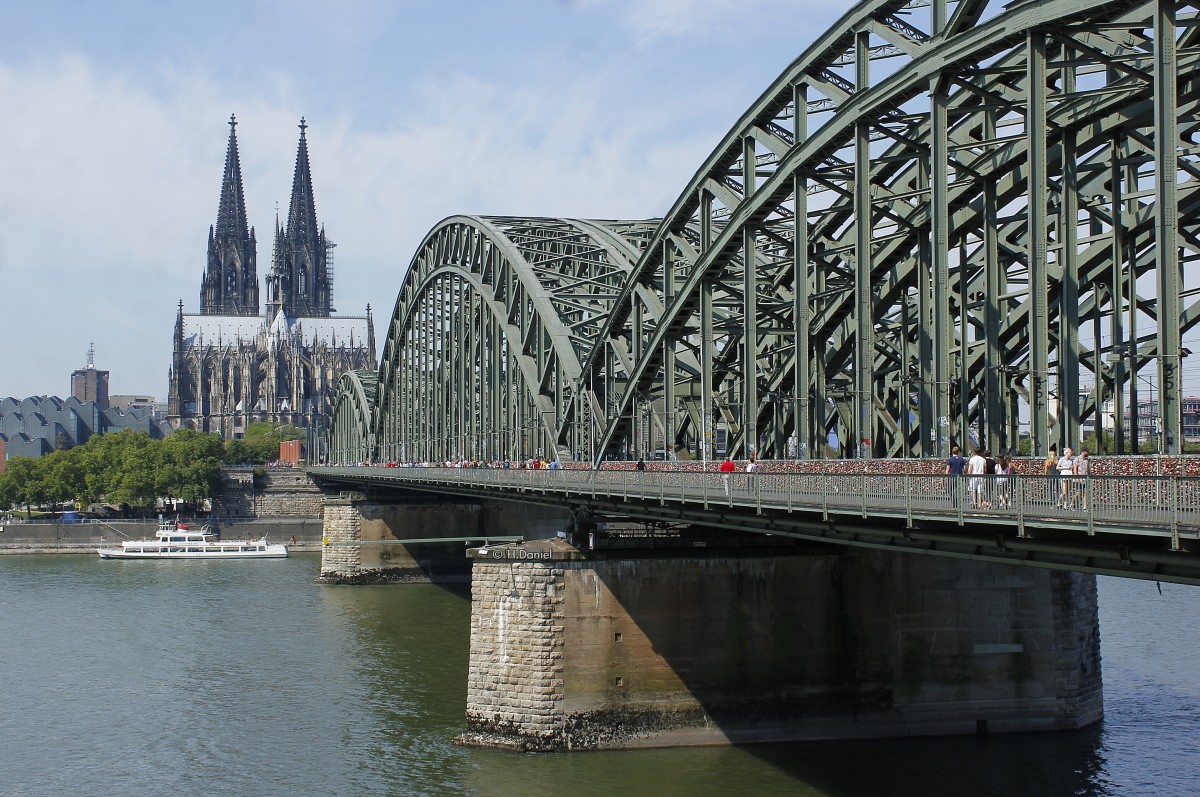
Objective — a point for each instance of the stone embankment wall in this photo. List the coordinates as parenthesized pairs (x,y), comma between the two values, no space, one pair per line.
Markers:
(281,492)
(571,654)
(288,493)
(237,499)
(284,503)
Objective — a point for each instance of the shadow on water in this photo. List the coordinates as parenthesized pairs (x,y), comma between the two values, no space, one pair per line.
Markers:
(1053,763)
(410,647)
(728,646)
(1017,765)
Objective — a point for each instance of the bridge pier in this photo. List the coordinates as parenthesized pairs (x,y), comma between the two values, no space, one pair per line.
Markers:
(363,537)
(570,651)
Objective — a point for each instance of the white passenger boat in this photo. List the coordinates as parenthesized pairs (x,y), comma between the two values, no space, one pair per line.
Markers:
(176,541)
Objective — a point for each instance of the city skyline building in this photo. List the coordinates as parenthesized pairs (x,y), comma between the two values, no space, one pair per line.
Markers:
(90,384)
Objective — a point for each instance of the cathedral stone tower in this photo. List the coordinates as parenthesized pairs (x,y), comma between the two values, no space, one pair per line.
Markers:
(230,285)
(300,283)
(232,366)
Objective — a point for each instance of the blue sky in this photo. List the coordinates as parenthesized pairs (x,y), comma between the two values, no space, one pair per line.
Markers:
(113,135)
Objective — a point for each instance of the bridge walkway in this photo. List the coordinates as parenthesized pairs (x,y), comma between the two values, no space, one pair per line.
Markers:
(1166,507)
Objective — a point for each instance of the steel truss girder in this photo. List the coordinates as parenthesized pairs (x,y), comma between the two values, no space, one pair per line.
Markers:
(350,437)
(980,149)
(482,357)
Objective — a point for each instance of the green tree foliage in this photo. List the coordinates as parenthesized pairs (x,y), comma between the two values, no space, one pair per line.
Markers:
(18,481)
(263,439)
(238,453)
(189,466)
(126,467)
(62,476)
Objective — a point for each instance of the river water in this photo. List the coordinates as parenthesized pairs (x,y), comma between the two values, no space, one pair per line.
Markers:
(247,678)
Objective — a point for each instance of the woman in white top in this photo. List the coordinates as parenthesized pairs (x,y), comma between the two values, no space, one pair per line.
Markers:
(1004,469)
(1066,467)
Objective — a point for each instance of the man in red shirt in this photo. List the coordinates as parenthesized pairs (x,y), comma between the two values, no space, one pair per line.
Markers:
(726,468)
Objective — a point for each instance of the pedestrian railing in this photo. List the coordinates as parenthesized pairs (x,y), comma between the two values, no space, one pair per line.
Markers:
(1167,506)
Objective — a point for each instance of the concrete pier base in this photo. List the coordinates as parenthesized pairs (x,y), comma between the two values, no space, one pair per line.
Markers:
(571,653)
(363,539)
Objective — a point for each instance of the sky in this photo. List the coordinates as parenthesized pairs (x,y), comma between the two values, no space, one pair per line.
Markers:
(115,125)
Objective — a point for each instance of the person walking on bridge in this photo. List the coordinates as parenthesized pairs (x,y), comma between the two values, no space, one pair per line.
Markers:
(752,482)
(1050,468)
(1083,468)
(1066,468)
(726,467)
(954,469)
(977,467)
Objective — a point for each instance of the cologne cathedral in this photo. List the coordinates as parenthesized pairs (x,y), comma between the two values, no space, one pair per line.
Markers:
(234,364)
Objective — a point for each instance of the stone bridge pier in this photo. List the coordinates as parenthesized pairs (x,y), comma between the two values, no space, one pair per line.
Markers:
(575,650)
(363,537)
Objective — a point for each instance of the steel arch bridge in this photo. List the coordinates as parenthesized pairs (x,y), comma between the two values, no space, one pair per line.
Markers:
(942,221)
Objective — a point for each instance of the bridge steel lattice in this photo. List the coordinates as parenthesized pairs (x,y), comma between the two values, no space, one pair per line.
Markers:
(944,219)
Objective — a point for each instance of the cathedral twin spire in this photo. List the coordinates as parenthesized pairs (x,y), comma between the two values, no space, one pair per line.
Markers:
(299,283)
(230,285)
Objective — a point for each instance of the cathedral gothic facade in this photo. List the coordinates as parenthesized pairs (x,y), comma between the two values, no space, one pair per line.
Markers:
(235,363)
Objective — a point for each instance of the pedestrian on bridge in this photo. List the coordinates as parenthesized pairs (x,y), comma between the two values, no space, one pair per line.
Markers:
(977,467)
(954,469)
(1004,472)
(1050,468)
(1066,469)
(1083,468)
(726,467)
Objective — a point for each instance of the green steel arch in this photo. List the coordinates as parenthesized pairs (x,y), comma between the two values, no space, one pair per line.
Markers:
(482,358)
(943,222)
(952,211)
(350,438)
